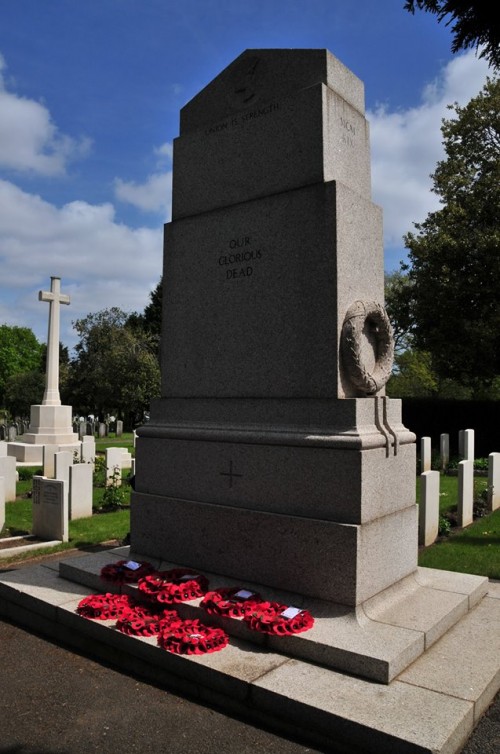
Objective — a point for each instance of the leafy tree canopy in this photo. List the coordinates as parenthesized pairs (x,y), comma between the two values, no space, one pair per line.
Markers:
(474,24)
(452,303)
(20,352)
(115,369)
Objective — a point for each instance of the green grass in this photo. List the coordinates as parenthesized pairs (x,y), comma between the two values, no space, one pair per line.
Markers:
(125,441)
(475,549)
(448,491)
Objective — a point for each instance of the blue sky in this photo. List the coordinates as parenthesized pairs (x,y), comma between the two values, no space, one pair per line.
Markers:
(90,93)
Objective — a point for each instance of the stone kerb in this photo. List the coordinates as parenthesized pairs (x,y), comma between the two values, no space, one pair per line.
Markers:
(9,474)
(50,509)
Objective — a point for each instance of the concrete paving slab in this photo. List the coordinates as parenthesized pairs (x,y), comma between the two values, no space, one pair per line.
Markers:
(394,719)
(473,645)
(39,589)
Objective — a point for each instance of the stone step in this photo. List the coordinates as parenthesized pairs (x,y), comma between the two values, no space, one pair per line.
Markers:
(431,707)
(376,641)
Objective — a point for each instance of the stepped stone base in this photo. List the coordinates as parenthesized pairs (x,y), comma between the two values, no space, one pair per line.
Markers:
(26,453)
(430,706)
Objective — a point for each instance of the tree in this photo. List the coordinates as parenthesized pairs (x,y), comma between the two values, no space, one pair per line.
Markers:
(454,257)
(475,24)
(398,290)
(115,370)
(24,390)
(20,352)
(153,311)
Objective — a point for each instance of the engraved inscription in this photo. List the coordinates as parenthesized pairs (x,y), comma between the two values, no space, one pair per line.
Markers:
(348,132)
(235,262)
(239,120)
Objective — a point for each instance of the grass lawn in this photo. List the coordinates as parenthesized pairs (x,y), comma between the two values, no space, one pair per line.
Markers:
(475,549)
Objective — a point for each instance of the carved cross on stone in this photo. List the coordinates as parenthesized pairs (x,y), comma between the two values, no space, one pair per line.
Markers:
(55,298)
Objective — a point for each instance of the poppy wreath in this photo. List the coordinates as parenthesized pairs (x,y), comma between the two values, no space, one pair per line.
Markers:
(192,638)
(176,585)
(104,606)
(126,571)
(277,619)
(140,620)
(231,602)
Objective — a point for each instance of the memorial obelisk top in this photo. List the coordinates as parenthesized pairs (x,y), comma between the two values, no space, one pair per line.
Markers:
(55,298)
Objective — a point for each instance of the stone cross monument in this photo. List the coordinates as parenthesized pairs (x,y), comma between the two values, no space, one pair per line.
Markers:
(50,422)
(273,456)
(55,298)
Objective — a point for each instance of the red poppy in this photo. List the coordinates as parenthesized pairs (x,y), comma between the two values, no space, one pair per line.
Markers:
(192,638)
(142,621)
(126,571)
(104,606)
(176,585)
(277,619)
(233,602)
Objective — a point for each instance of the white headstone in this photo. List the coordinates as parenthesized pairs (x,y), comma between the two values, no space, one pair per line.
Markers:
(63,459)
(493,481)
(8,472)
(114,461)
(465,492)
(80,491)
(2,503)
(425,454)
(428,513)
(49,452)
(50,509)
(3,449)
(88,450)
(468,448)
(444,450)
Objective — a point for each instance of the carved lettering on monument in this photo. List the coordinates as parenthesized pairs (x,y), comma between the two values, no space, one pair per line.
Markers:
(348,132)
(235,263)
(239,120)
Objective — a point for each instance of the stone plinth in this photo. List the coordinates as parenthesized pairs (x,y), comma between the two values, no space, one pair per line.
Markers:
(49,425)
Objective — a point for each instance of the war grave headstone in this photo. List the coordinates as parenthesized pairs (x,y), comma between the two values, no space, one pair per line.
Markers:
(50,509)
(50,422)
(8,472)
(80,491)
(2,502)
(273,455)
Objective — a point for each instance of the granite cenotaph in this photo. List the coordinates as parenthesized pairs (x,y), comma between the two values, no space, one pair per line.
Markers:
(273,455)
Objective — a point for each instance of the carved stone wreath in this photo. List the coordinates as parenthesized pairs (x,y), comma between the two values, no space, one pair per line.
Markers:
(360,315)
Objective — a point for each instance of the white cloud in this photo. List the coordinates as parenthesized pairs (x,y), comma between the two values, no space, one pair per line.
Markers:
(406,146)
(102,263)
(29,140)
(155,194)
